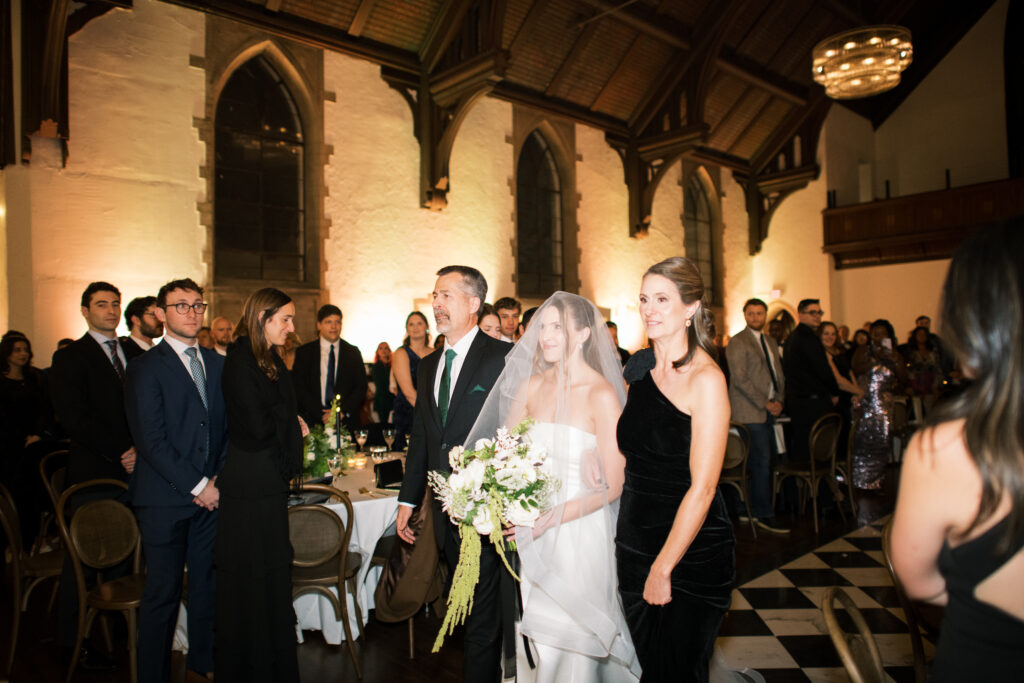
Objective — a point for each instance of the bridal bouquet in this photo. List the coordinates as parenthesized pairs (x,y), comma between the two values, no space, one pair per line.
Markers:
(500,482)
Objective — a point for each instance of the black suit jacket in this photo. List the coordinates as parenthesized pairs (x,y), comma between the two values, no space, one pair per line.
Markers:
(349,381)
(806,368)
(429,442)
(129,342)
(88,398)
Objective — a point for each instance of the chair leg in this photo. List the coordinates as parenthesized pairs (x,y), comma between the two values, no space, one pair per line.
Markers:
(133,653)
(105,627)
(411,639)
(746,502)
(814,506)
(343,602)
(15,623)
(84,618)
(355,601)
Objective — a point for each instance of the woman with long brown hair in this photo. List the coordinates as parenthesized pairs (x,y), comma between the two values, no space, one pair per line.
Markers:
(674,540)
(958,530)
(404,364)
(255,623)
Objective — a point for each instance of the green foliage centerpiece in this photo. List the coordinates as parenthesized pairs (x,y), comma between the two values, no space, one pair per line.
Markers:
(326,442)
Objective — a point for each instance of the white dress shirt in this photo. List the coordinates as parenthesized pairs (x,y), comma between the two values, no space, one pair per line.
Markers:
(325,352)
(102,341)
(179,348)
(461,348)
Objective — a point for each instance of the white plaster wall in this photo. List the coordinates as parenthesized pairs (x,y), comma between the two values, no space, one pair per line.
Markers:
(611,262)
(851,142)
(383,250)
(738,278)
(955,118)
(124,207)
(899,293)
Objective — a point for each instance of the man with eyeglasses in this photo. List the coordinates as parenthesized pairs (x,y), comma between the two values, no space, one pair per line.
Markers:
(143,325)
(176,412)
(811,387)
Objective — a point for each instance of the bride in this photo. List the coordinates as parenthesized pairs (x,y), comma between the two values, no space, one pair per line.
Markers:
(565,375)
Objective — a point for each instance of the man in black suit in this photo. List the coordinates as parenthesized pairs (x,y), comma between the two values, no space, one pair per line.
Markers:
(811,388)
(86,389)
(327,367)
(143,324)
(176,412)
(452,384)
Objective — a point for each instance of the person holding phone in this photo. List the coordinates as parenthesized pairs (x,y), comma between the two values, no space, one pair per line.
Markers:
(881,375)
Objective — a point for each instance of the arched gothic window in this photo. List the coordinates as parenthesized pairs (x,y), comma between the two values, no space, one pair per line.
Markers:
(697,235)
(258,188)
(539,240)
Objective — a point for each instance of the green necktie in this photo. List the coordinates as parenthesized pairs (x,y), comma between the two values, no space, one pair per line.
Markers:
(444,390)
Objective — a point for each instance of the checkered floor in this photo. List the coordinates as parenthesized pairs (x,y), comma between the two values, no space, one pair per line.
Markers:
(776,627)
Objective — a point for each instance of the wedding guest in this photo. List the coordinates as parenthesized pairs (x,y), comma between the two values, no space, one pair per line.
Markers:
(811,388)
(88,399)
(380,373)
(860,338)
(881,374)
(327,367)
(404,367)
(527,317)
(66,341)
(439,341)
(287,351)
(489,323)
(255,621)
(143,324)
(674,540)
(205,338)
(958,529)
(477,360)
(755,398)
(844,336)
(839,361)
(508,311)
(177,420)
(924,364)
(777,331)
(25,431)
(221,329)
(613,330)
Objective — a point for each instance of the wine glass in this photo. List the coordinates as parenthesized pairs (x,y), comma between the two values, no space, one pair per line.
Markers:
(361,437)
(335,465)
(389,437)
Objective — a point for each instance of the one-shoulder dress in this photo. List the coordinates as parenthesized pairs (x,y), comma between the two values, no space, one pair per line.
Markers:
(674,642)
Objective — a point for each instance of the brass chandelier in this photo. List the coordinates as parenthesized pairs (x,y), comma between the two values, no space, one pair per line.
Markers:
(863,61)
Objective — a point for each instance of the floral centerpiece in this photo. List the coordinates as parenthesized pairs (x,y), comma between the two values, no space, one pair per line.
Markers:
(325,442)
(499,483)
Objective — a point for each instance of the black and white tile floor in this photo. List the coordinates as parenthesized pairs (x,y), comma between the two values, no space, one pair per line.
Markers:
(776,626)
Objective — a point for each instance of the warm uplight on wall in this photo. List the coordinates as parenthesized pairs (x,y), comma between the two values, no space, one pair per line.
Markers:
(861,62)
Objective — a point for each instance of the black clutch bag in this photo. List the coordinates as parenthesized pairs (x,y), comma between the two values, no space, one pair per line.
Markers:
(389,474)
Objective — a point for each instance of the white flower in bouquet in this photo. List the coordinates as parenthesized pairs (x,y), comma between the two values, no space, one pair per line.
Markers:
(455,456)
(483,521)
(481,444)
(521,513)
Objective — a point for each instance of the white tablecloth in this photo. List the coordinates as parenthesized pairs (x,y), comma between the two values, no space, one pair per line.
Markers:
(375,511)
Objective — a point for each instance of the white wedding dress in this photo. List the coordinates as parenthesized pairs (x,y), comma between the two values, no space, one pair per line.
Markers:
(572,614)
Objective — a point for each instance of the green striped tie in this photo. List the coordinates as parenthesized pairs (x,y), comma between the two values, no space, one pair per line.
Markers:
(446,380)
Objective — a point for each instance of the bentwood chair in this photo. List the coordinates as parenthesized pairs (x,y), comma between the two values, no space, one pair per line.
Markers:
(53,468)
(912,611)
(322,559)
(858,650)
(844,466)
(734,467)
(102,534)
(821,466)
(27,571)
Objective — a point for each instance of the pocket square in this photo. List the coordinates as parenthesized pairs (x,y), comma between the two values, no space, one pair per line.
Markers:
(478,388)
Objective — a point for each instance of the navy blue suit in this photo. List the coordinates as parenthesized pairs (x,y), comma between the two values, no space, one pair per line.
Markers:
(179,441)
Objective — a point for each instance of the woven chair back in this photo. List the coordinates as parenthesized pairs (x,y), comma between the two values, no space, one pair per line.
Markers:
(104,533)
(316,534)
(824,436)
(737,446)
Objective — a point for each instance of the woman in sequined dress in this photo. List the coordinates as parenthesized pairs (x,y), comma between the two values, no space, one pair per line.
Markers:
(881,374)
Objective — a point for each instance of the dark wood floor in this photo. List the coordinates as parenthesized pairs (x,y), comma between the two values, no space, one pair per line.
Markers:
(384,651)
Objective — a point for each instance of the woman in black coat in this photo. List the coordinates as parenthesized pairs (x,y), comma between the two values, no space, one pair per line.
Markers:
(255,624)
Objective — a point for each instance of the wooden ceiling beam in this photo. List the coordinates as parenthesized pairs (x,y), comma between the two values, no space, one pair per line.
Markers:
(617,73)
(355,28)
(579,47)
(710,27)
(510,92)
(446,25)
(527,28)
(305,31)
(787,129)
(746,129)
(670,32)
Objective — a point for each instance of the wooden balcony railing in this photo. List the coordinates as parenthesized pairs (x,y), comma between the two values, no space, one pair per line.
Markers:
(917,227)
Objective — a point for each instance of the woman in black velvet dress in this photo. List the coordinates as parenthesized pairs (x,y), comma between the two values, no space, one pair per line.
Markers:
(674,541)
(255,623)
